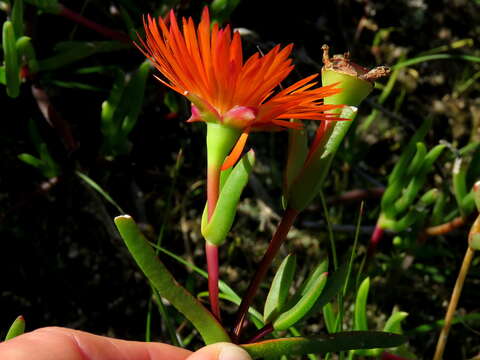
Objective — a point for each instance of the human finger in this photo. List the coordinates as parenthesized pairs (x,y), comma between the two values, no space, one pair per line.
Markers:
(54,343)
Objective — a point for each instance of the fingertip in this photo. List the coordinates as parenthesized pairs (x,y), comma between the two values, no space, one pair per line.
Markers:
(233,352)
(220,351)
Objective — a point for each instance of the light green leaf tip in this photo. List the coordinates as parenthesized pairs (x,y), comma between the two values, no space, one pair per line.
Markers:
(17,328)
(278,293)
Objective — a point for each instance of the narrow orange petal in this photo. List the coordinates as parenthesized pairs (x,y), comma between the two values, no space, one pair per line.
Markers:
(236,152)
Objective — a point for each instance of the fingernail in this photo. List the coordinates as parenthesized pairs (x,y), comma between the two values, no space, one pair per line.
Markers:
(232,352)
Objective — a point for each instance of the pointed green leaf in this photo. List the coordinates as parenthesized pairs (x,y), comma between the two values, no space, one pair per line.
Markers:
(324,344)
(302,307)
(361,306)
(31,160)
(334,285)
(329,318)
(90,182)
(307,284)
(132,98)
(12,70)
(72,51)
(17,17)
(278,293)
(209,328)
(26,50)
(393,323)
(17,328)
(406,156)
(417,161)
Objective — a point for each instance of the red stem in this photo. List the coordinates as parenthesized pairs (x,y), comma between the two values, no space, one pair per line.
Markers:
(278,238)
(212,266)
(105,31)
(211,251)
(267,329)
(374,240)
(390,356)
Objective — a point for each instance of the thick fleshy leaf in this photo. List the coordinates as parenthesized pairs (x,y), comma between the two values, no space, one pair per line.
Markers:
(323,344)
(17,17)
(329,318)
(72,51)
(12,70)
(394,322)
(306,285)
(417,161)
(215,231)
(408,153)
(26,50)
(309,182)
(132,98)
(17,328)
(360,318)
(278,293)
(334,285)
(418,181)
(156,272)
(303,306)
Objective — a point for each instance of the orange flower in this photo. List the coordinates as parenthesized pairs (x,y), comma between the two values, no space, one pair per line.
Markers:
(206,65)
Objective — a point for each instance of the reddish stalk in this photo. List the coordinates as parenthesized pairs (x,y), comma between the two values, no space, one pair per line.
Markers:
(267,329)
(211,251)
(374,240)
(445,228)
(277,240)
(389,356)
(103,30)
(212,266)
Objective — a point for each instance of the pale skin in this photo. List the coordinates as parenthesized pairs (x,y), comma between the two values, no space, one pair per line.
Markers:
(55,343)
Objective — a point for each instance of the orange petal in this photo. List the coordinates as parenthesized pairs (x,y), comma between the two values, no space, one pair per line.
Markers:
(236,152)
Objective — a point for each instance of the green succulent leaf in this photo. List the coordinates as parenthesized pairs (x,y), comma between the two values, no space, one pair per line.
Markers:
(303,306)
(17,328)
(324,344)
(417,161)
(361,306)
(156,272)
(278,293)
(17,17)
(406,157)
(12,70)
(215,231)
(394,322)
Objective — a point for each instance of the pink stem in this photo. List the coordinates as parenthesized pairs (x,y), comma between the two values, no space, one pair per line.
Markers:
(105,31)
(390,356)
(374,240)
(211,251)
(212,267)
(278,238)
